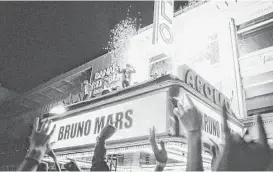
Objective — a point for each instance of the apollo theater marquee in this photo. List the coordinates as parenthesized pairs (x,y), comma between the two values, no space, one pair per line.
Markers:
(136,109)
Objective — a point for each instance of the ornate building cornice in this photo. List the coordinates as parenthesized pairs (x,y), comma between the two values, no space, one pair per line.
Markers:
(249,121)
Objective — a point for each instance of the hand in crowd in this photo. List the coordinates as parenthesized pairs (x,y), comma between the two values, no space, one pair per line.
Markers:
(39,145)
(241,155)
(191,120)
(188,115)
(51,154)
(40,139)
(216,152)
(42,167)
(107,132)
(98,160)
(160,154)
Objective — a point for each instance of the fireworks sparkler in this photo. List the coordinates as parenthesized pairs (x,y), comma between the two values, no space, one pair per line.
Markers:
(120,39)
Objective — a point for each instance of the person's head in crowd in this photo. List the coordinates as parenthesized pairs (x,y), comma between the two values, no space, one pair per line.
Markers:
(72,166)
(42,167)
(237,154)
(100,166)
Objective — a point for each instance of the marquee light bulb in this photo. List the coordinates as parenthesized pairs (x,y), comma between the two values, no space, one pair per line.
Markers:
(58,110)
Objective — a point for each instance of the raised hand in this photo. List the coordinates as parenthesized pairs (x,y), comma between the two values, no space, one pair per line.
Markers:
(160,154)
(191,120)
(41,138)
(51,154)
(216,152)
(107,132)
(188,115)
(240,155)
(259,153)
(39,145)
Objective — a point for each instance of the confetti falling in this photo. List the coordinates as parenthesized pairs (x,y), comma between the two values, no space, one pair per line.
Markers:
(120,38)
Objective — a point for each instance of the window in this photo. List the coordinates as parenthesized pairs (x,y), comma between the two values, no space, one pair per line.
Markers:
(256,39)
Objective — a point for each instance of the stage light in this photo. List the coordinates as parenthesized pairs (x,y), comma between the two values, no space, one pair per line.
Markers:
(57,110)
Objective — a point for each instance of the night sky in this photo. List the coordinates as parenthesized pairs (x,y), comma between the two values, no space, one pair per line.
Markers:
(41,40)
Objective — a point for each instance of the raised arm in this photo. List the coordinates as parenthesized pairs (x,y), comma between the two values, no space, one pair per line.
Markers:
(133,70)
(245,155)
(160,155)
(39,144)
(98,163)
(191,120)
(52,155)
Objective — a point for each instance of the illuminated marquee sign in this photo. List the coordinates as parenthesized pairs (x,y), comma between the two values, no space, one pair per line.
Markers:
(132,120)
(160,62)
(212,119)
(199,84)
(113,69)
(83,128)
(213,123)
(106,78)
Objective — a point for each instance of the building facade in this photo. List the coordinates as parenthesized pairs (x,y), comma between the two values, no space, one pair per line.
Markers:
(231,51)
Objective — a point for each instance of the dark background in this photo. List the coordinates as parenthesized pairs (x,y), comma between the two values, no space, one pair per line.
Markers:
(41,40)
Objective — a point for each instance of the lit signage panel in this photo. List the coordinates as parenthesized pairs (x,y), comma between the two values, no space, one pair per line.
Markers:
(132,119)
(212,118)
(213,123)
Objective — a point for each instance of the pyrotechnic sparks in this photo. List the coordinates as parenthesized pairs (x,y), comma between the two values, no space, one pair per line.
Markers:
(120,39)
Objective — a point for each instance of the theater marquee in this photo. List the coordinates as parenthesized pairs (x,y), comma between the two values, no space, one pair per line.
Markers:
(213,123)
(132,119)
(151,106)
(212,118)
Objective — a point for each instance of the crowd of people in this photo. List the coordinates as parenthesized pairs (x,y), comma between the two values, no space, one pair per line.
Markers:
(235,154)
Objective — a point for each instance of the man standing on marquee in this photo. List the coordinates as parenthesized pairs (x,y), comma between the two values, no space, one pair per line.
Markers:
(127,75)
(87,89)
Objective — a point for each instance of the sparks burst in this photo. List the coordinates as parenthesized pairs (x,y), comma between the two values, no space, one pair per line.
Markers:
(120,39)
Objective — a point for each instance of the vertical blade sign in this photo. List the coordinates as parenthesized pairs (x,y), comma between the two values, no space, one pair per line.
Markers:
(163,18)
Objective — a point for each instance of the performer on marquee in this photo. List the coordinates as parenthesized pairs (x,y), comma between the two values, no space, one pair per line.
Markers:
(88,90)
(106,85)
(127,75)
